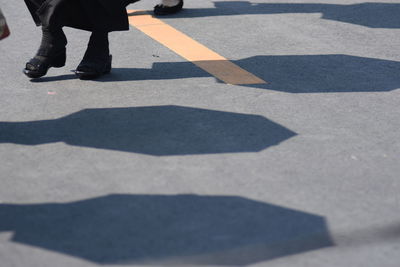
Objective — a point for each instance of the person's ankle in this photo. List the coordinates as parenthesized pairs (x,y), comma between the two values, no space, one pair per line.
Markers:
(98,47)
(53,41)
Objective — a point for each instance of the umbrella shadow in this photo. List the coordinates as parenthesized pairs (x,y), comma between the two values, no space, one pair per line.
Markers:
(173,229)
(154,130)
(292,73)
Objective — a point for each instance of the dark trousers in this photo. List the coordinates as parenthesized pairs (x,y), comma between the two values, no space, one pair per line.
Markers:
(90,15)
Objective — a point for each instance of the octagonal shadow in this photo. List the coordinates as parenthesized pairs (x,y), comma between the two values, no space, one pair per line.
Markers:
(175,229)
(155,130)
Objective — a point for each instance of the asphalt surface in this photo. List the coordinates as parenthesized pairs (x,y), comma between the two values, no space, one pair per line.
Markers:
(160,163)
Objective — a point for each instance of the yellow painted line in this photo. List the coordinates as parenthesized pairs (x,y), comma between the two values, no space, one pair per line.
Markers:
(191,50)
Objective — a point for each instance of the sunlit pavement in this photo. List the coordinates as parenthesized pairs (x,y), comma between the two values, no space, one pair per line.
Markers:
(162,162)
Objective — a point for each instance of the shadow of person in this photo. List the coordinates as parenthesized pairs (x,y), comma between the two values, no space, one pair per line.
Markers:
(373,15)
(292,73)
(153,130)
(166,229)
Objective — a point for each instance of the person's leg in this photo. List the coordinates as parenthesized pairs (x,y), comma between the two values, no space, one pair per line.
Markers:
(53,41)
(52,51)
(97,58)
(33,6)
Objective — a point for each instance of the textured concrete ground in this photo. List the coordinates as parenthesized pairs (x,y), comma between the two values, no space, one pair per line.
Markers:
(159,163)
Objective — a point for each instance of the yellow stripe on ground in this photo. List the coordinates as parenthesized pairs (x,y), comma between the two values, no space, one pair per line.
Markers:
(193,51)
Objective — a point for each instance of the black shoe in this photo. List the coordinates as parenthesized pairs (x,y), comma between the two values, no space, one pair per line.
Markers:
(90,69)
(51,53)
(39,65)
(162,10)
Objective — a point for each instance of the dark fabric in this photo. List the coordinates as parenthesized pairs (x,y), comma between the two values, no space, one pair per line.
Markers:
(98,47)
(51,41)
(90,15)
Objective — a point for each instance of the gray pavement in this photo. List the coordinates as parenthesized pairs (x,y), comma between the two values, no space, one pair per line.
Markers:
(160,163)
